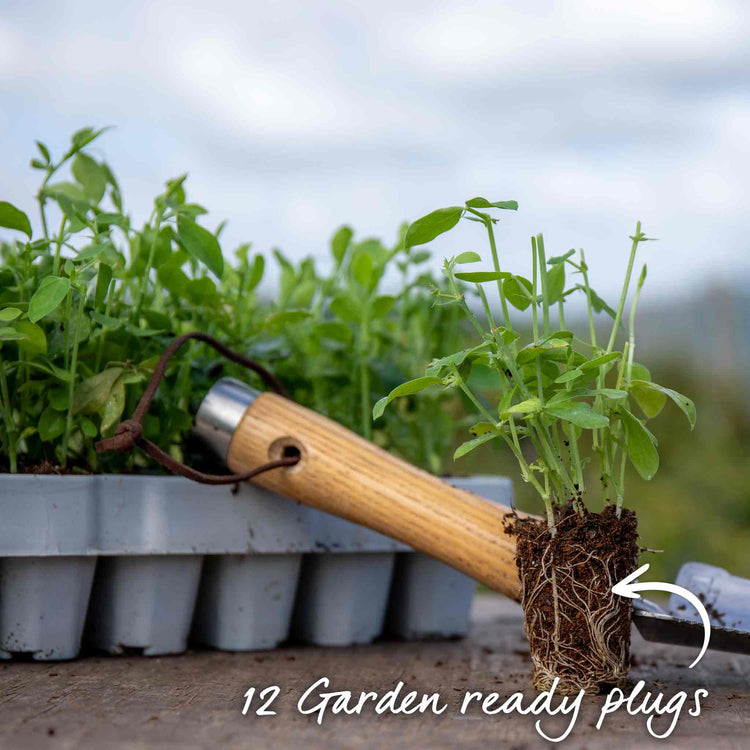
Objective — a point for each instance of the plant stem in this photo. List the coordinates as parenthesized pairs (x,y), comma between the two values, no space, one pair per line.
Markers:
(526,473)
(147,271)
(534,283)
(10,428)
(66,332)
(631,327)
(637,237)
(72,381)
(551,456)
(486,305)
(542,259)
(364,379)
(474,400)
(60,239)
(496,265)
(589,305)
(462,301)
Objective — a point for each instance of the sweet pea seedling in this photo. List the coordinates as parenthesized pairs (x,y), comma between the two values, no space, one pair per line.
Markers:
(87,307)
(555,389)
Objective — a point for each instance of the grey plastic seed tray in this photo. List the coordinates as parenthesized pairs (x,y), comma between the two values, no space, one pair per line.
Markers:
(143,564)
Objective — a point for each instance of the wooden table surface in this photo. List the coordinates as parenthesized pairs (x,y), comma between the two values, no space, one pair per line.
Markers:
(195,700)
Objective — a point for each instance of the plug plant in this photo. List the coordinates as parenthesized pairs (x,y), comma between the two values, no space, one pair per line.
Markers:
(563,401)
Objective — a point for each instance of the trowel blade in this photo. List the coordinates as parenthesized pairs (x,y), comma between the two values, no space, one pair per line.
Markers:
(664,628)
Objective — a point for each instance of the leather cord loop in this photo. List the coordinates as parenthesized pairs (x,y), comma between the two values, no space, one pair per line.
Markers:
(129,433)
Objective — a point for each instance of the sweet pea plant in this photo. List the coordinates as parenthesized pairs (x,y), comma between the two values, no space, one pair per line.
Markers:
(87,307)
(559,392)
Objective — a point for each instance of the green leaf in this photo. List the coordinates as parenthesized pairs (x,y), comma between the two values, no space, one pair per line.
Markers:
(560,258)
(651,401)
(13,218)
(51,424)
(612,393)
(106,321)
(597,302)
(103,280)
(81,138)
(91,251)
(58,399)
(569,375)
(340,242)
(256,273)
(641,449)
(470,257)
(686,405)
(347,308)
(532,351)
(482,428)
(114,406)
(47,367)
(44,151)
(9,313)
(555,283)
(405,389)
(508,335)
(51,292)
(484,203)
(287,318)
(333,330)
(529,406)
(577,412)
(597,362)
(10,334)
(35,341)
(518,291)
(67,191)
(106,220)
(304,293)
(88,428)
(91,176)
(362,269)
(201,244)
(173,279)
(382,305)
(470,445)
(91,395)
(639,372)
(434,224)
(477,277)
(419,257)
(457,359)
(142,332)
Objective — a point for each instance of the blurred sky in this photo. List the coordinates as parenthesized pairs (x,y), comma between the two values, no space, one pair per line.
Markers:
(294,117)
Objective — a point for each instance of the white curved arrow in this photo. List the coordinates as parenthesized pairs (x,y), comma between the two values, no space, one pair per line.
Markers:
(628,586)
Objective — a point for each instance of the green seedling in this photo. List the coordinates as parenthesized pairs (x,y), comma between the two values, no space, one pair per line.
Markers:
(570,398)
(88,306)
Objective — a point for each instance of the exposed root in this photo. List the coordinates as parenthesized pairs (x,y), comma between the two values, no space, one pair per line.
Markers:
(578,630)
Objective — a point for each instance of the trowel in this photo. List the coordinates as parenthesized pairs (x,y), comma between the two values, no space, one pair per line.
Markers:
(341,473)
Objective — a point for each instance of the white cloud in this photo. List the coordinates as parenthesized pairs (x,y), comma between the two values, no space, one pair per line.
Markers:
(294,117)
(509,39)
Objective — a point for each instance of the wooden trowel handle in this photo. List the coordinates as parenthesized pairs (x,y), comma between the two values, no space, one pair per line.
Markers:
(343,474)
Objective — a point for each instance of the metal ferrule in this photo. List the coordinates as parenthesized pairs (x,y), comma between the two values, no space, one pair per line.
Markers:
(221,412)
